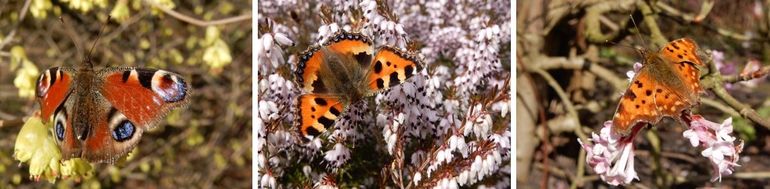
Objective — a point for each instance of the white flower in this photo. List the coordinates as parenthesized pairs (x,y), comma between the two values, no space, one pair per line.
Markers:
(337,156)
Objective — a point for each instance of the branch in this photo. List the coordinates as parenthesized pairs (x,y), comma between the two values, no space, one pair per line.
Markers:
(198,22)
(22,14)
(713,81)
(764,71)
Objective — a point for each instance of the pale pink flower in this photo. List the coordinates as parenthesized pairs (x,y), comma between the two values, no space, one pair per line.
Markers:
(718,144)
(611,156)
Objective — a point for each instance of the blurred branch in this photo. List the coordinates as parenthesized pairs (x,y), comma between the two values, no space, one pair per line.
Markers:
(752,175)
(713,81)
(593,20)
(764,71)
(199,22)
(720,107)
(22,15)
(705,9)
(650,21)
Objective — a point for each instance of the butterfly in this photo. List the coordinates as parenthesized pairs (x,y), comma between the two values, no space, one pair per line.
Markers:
(342,71)
(667,84)
(100,115)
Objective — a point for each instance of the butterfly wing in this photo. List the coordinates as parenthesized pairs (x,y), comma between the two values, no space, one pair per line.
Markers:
(683,53)
(137,100)
(351,47)
(53,87)
(637,104)
(390,67)
(325,72)
(318,112)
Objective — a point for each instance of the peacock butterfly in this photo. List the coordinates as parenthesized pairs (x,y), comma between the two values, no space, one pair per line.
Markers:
(100,115)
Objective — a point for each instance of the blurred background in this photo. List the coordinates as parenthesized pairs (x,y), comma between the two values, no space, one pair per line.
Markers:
(560,100)
(205,145)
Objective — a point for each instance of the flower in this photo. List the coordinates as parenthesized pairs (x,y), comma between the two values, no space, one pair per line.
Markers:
(338,156)
(631,74)
(718,144)
(611,156)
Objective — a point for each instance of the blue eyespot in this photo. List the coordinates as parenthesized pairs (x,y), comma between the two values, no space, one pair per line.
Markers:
(59,129)
(123,131)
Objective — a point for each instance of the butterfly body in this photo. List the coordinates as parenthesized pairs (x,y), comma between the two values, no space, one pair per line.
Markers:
(667,84)
(343,71)
(100,115)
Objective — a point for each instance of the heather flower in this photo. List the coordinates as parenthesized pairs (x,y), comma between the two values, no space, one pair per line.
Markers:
(469,146)
(337,156)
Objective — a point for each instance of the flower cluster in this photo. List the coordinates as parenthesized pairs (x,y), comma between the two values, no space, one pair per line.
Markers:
(718,144)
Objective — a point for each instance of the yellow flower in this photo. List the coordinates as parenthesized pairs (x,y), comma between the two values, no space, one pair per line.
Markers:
(218,55)
(26,76)
(39,8)
(120,11)
(36,146)
(77,167)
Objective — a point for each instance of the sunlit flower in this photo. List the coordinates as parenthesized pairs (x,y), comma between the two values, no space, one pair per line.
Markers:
(718,144)
(611,156)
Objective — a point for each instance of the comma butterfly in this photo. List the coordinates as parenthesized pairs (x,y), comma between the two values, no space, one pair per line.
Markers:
(667,84)
(343,71)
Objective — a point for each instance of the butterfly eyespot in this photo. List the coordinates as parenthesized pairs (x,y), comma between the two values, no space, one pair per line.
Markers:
(59,130)
(123,131)
(169,87)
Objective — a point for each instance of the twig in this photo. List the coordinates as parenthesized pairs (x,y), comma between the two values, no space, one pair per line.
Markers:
(706,8)
(593,20)
(198,22)
(22,15)
(752,175)
(650,21)
(764,71)
(720,107)
(714,82)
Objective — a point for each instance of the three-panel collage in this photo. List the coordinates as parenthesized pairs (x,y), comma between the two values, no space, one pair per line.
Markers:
(384,94)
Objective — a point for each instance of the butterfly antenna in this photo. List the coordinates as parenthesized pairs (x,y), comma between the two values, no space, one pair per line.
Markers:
(98,36)
(638,32)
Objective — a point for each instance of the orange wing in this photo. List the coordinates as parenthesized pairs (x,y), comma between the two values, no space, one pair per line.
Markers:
(348,45)
(52,89)
(307,70)
(637,104)
(391,67)
(683,53)
(318,112)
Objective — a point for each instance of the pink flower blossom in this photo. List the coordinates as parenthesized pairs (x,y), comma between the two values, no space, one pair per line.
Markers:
(718,144)
(632,73)
(611,156)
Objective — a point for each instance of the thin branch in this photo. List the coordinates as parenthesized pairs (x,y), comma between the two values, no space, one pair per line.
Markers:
(764,71)
(199,22)
(22,15)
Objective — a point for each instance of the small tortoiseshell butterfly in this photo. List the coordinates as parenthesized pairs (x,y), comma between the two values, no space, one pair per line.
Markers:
(342,71)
